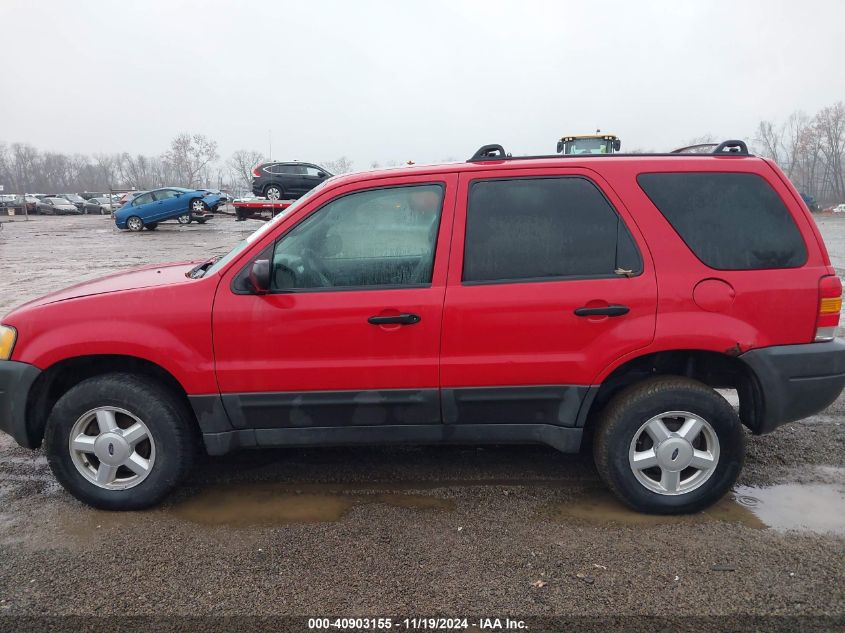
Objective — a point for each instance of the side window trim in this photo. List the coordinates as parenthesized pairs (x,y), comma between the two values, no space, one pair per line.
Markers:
(621,225)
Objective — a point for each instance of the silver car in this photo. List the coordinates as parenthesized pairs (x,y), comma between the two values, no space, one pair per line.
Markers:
(56,206)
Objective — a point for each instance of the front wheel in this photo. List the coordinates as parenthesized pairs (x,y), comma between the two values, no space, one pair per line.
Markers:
(134,223)
(119,441)
(669,445)
(198,207)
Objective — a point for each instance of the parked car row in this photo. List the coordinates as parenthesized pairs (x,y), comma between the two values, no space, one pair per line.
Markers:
(133,210)
(57,204)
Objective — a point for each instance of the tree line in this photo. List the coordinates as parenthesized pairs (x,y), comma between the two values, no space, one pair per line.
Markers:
(191,160)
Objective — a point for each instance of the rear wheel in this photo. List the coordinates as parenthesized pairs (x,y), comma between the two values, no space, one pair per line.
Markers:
(119,442)
(185,218)
(273,192)
(134,223)
(669,445)
(202,220)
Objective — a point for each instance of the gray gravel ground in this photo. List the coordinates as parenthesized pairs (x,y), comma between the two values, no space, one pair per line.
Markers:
(405,531)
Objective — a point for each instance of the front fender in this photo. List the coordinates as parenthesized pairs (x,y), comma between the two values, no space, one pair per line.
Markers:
(169,326)
(193,368)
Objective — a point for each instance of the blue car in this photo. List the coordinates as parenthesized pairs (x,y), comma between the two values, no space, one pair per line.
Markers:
(185,205)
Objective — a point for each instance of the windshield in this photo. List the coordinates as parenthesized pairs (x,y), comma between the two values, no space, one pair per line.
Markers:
(587,146)
(243,244)
(58,200)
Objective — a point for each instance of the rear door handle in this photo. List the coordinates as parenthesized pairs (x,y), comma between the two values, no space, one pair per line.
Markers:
(395,319)
(611,311)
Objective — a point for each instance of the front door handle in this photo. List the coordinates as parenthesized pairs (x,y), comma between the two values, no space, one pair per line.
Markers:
(395,319)
(611,311)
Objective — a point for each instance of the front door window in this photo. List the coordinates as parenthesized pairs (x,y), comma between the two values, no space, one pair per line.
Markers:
(368,239)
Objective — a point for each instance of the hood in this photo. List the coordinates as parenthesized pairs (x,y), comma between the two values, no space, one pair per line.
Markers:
(132,279)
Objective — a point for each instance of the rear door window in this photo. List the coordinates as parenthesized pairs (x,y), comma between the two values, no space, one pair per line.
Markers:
(729,221)
(537,229)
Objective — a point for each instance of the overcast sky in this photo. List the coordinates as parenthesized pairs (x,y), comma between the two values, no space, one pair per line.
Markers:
(400,80)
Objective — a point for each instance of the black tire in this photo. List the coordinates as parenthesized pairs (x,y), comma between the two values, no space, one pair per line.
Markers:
(269,189)
(202,220)
(185,218)
(166,417)
(152,226)
(626,413)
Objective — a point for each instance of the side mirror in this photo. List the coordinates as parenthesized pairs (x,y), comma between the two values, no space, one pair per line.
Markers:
(321,174)
(617,145)
(259,276)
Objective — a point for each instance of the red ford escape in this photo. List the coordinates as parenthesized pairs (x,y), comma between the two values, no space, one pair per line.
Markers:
(503,300)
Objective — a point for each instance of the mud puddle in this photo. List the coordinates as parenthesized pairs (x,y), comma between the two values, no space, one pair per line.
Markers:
(269,504)
(803,507)
(815,508)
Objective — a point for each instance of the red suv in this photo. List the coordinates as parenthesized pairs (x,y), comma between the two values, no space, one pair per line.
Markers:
(504,300)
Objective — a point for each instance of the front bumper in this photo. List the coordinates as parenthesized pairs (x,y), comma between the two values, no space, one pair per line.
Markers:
(16,380)
(796,381)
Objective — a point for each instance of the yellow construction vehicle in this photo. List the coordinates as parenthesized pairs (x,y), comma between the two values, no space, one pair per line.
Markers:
(597,143)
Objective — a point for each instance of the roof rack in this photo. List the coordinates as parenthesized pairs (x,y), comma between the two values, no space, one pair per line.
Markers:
(496,152)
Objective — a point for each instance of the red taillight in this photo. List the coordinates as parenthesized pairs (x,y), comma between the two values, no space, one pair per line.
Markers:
(830,305)
(256,171)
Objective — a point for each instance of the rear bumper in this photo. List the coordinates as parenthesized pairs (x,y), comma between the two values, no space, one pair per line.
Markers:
(796,381)
(16,380)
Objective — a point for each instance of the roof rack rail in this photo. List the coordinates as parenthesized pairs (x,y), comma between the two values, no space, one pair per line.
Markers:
(693,149)
(489,152)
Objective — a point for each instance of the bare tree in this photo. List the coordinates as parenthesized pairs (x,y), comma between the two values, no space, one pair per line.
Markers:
(830,124)
(340,165)
(189,155)
(108,167)
(770,141)
(240,165)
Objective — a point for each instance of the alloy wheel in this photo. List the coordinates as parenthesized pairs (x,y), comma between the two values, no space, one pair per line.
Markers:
(112,448)
(674,453)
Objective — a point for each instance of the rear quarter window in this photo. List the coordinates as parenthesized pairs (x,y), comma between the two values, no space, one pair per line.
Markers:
(729,221)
